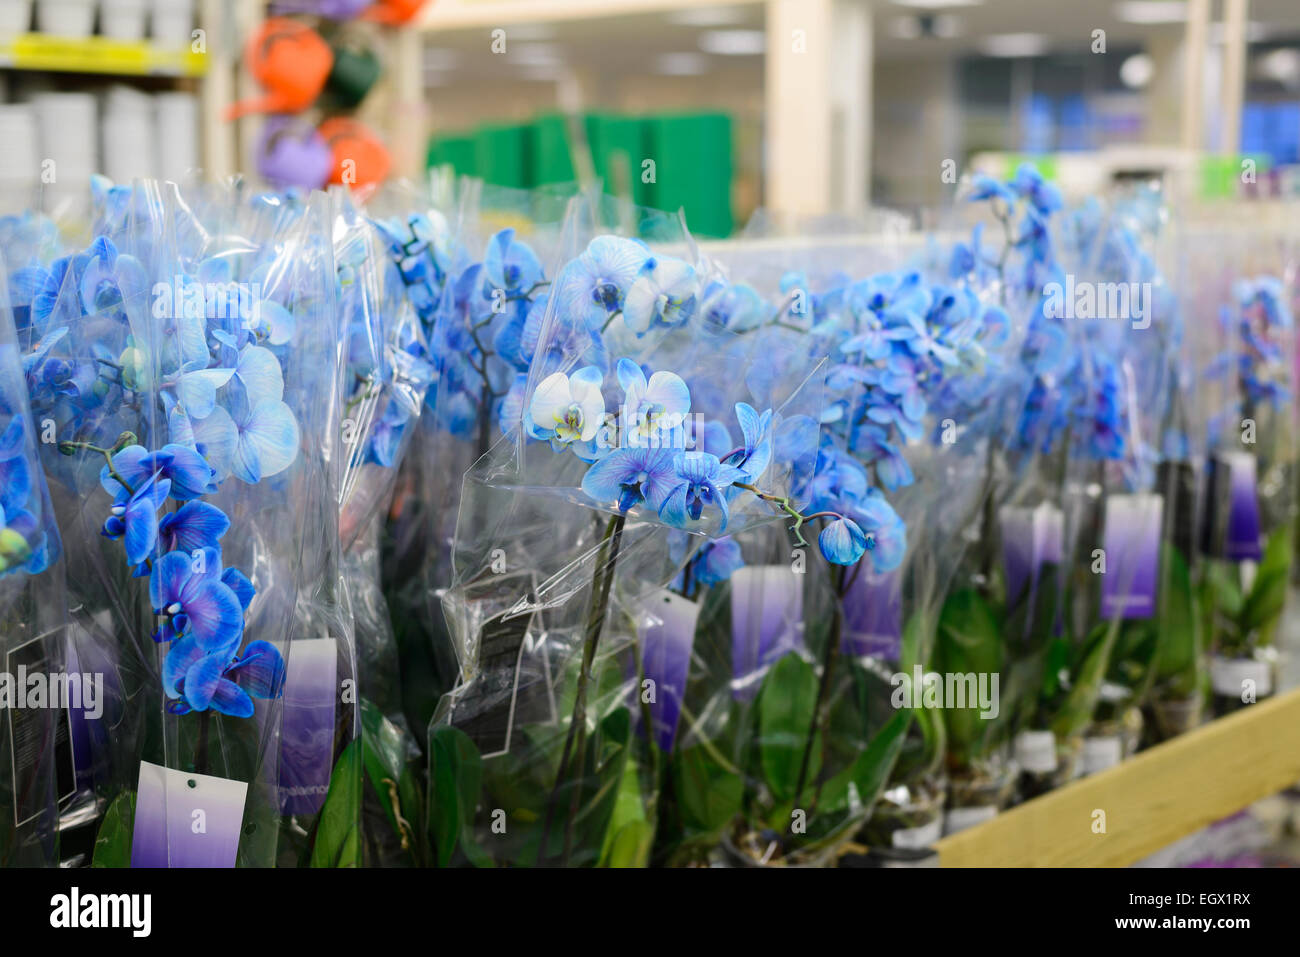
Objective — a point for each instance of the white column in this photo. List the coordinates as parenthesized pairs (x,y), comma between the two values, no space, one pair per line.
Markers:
(1233,91)
(217,91)
(818,93)
(1198,34)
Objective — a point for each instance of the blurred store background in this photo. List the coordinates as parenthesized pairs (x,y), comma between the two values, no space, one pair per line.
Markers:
(803,106)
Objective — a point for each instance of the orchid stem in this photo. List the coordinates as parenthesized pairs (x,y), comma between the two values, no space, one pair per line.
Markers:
(575,741)
(821,710)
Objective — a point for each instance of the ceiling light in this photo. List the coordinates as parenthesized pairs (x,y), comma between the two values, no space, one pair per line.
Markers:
(1137,71)
(1014,44)
(733,42)
(682,64)
(1151,11)
(1281,66)
(707,17)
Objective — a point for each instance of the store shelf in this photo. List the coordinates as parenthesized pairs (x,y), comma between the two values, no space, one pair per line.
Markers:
(101,55)
(1149,801)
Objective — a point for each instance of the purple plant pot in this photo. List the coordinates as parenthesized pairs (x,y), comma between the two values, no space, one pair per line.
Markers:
(292,154)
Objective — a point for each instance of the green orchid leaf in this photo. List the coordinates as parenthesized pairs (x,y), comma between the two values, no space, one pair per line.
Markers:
(785,716)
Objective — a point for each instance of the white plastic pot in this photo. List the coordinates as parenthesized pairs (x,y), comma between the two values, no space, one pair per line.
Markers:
(172,22)
(15,16)
(123,19)
(66,18)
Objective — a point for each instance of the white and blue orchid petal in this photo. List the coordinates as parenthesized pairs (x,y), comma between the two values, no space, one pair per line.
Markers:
(278,321)
(630,377)
(259,372)
(217,438)
(667,389)
(198,389)
(673,510)
(268,442)
(551,399)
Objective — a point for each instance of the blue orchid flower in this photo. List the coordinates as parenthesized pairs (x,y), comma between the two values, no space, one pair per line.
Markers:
(192,527)
(189,474)
(654,406)
(511,265)
(136,519)
(1043,195)
(984,187)
(266,438)
(628,477)
(109,280)
(713,563)
(199,681)
(593,288)
(566,410)
(187,592)
(664,293)
(753,458)
(701,480)
(20,531)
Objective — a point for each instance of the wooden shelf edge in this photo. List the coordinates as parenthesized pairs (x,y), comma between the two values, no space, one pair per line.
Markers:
(1149,801)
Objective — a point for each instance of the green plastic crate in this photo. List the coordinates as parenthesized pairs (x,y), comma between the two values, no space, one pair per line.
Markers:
(456,151)
(693,168)
(503,154)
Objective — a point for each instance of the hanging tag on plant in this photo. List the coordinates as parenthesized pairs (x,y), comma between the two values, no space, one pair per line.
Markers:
(39,697)
(1031,539)
(511,682)
(766,622)
(1131,558)
(1241,539)
(666,632)
(186,820)
(311,691)
(873,613)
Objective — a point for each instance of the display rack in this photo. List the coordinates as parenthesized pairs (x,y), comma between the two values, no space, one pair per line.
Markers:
(1123,814)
